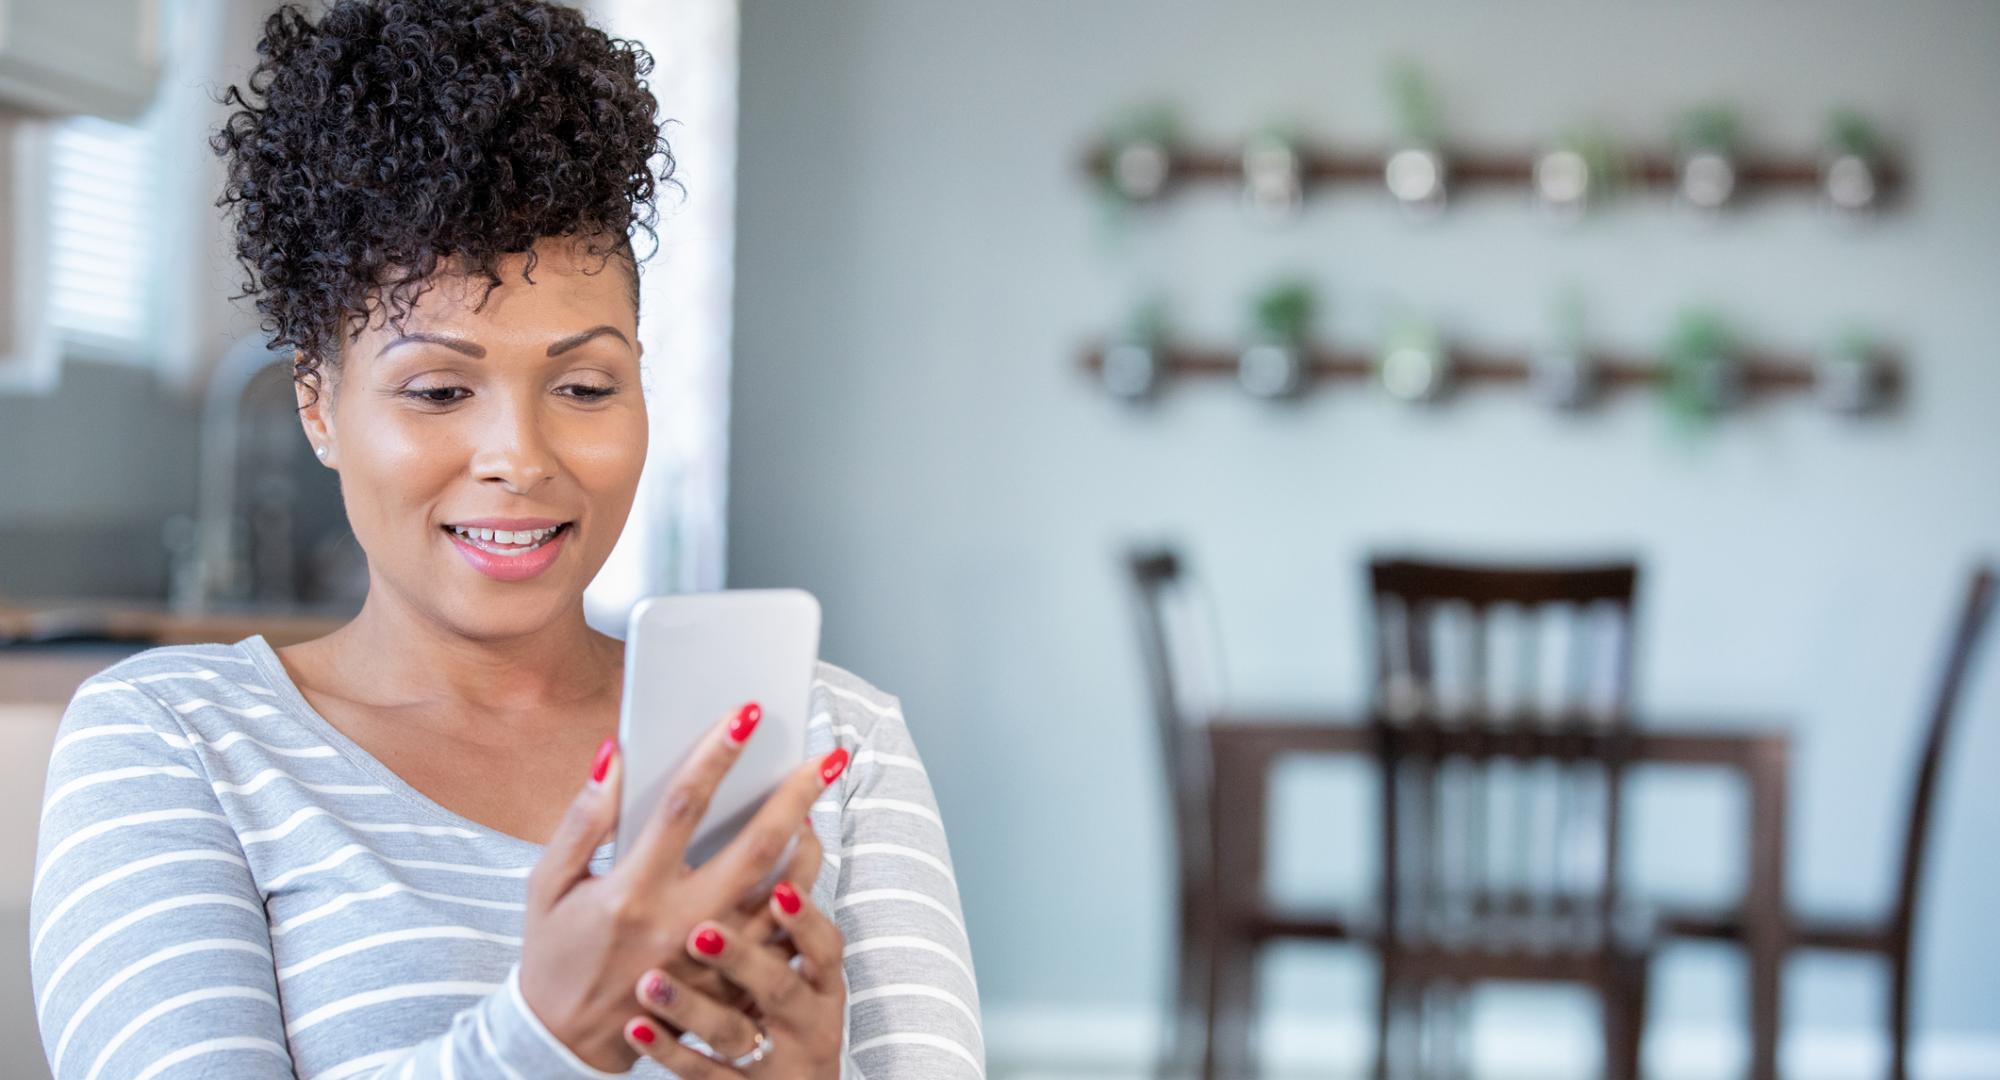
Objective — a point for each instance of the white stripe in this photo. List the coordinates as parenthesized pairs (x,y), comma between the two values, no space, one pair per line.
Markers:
(164,654)
(485,1033)
(352,850)
(897,761)
(98,731)
(183,742)
(172,903)
(204,675)
(826,721)
(212,1046)
(130,772)
(305,814)
(367,1063)
(392,937)
(263,779)
(894,712)
(869,896)
(346,900)
(900,806)
(78,894)
(902,852)
(399,992)
(876,993)
(254,712)
(921,944)
(916,1038)
(132,971)
(444,1057)
(192,997)
(92,831)
(95,687)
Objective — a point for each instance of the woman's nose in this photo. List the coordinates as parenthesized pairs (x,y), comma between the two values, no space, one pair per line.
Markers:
(514,451)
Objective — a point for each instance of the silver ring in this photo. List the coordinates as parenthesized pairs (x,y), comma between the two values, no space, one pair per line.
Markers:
(756,1054)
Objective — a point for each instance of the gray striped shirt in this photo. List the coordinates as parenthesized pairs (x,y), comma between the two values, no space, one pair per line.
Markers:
(227,885)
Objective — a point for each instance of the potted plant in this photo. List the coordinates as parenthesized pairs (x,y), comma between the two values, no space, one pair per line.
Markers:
(1273,365)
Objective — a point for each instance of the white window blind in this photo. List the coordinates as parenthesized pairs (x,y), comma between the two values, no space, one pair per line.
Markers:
(101,261)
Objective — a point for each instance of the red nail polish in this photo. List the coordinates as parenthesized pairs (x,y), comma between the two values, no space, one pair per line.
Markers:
(745,722)
(708,942)
(643,1032)
(831,766)
(602,765)
(787,897)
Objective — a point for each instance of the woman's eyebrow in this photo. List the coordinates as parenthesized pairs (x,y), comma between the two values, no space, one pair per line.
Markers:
(476,350)
(457,344)
(574,340)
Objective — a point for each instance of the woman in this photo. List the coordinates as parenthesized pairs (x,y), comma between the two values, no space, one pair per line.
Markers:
(384,852)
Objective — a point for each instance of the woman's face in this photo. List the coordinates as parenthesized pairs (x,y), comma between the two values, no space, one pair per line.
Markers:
(520,417)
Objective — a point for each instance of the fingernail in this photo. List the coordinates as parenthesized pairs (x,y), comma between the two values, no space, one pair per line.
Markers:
(831,766)
(745,722)
(605,752)
(708,942)
(787,897)
(657,990)
(643,1032)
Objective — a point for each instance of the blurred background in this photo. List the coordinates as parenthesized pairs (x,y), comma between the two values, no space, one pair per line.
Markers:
(1178,405)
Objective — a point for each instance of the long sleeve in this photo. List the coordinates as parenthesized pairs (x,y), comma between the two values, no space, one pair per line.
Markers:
(913,1002)
(151,948)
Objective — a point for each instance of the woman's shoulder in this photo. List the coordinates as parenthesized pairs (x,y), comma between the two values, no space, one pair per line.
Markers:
(166,659)
(172,678)
(849,699)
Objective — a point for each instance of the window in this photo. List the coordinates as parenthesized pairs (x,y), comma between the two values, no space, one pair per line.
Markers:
(101,204)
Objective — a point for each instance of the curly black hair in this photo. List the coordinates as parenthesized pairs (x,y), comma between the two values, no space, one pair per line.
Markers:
(395,136)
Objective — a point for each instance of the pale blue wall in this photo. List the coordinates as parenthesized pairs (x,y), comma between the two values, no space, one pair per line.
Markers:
(918,260)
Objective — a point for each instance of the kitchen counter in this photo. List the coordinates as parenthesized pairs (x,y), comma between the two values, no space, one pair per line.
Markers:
(59,645)
(154,623)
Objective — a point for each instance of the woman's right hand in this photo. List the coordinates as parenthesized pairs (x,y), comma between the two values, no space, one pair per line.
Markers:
(586,938)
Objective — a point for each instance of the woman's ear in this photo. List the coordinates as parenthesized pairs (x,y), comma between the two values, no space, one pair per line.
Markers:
(315,412)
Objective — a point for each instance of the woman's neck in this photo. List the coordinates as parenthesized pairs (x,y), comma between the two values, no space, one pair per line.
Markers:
(411,659)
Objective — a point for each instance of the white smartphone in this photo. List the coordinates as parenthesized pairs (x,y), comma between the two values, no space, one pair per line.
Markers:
(691,660)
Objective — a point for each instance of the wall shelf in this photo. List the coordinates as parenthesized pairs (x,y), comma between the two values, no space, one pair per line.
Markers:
(1764,374)
(1468,171)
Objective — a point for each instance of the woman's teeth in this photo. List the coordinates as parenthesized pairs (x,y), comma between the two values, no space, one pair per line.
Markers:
(502,542)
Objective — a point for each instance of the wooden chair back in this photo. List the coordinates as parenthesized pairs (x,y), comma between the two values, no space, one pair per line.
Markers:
(1974,617)
(1178,649)
(1482,845)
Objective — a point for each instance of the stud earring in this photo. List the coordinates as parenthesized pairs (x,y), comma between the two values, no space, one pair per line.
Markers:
(320,452)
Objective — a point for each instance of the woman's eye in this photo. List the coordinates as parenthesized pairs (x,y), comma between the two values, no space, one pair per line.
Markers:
(586,392)
(436,395)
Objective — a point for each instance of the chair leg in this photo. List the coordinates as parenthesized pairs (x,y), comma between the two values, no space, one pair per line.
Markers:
(1624,997)
(1899,1018)
(1186,1043)
(1232,1010)
(1385,1008)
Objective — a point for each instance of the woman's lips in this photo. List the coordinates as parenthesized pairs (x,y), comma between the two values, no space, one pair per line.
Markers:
(520,567)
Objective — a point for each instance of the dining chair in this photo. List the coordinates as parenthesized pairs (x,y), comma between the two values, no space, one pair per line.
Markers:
(1217,940)
(1500,858)
(1165,609)
(1888,937)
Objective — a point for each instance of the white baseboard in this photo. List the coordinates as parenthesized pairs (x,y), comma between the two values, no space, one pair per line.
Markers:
(1045,1043)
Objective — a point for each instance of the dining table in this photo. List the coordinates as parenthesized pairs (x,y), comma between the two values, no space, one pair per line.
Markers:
(1245,748)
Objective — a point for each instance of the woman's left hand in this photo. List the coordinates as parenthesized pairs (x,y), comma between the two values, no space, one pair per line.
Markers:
(800,1002)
